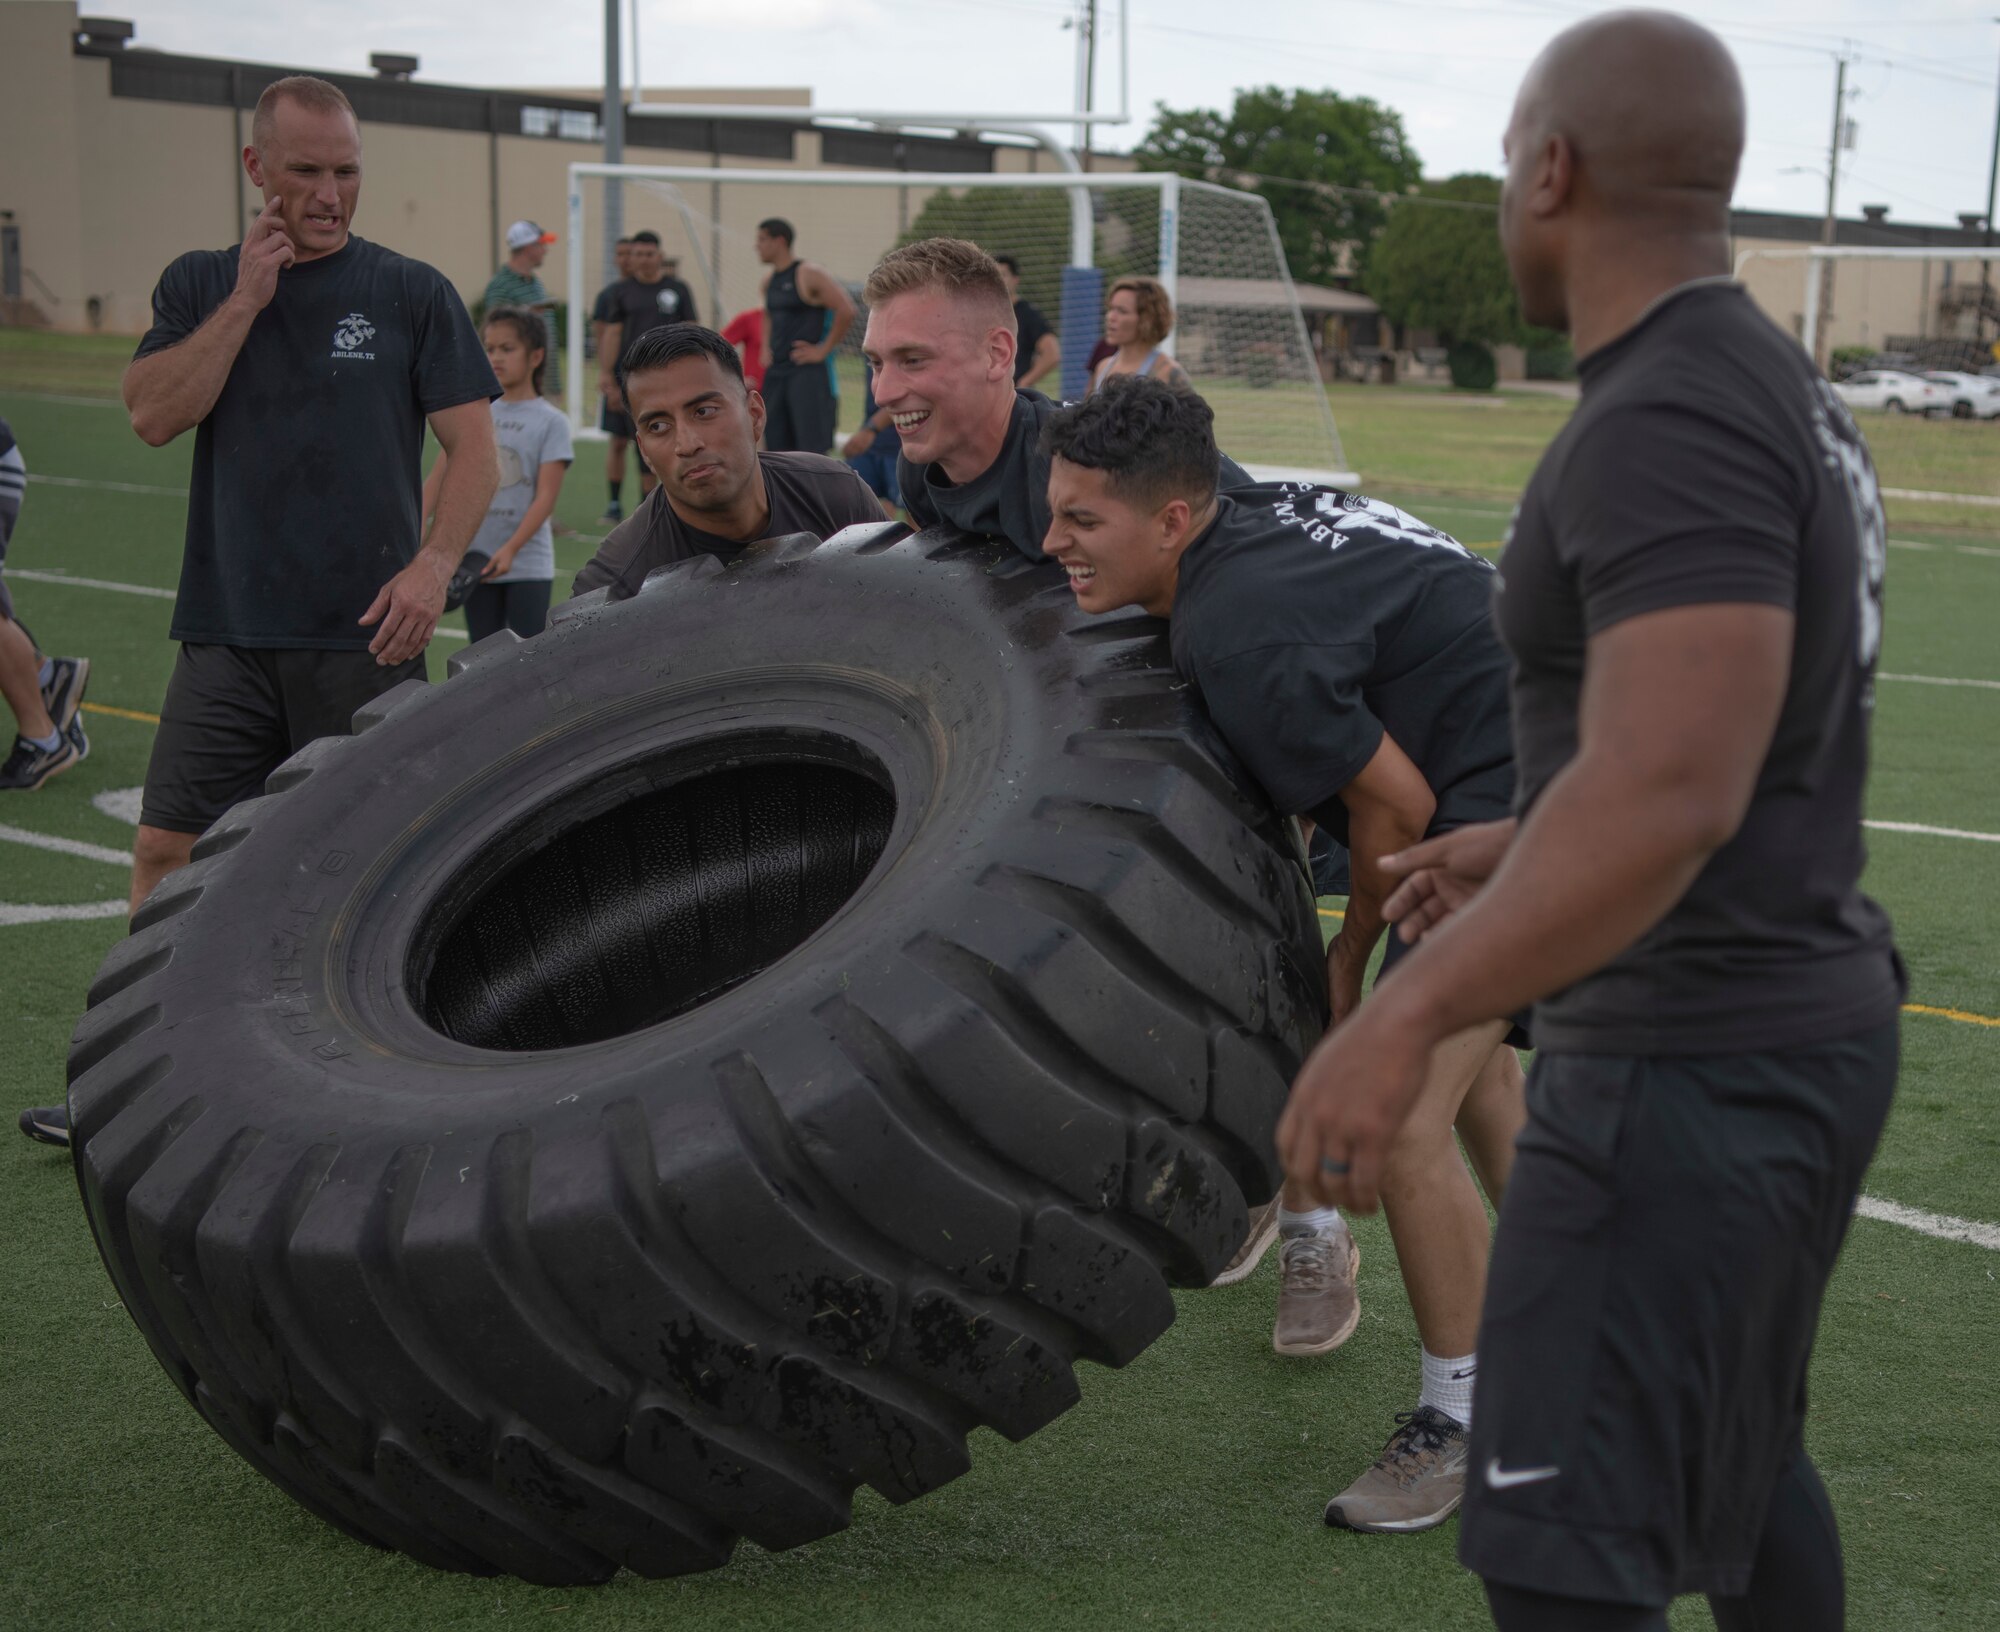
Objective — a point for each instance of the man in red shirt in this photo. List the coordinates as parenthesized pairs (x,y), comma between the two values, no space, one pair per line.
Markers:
(746,333)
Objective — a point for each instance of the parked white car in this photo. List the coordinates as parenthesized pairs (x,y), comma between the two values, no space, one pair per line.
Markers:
(1972,396)
(1899,393)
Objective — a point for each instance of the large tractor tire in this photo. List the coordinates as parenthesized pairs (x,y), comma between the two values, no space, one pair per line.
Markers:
(699,1061)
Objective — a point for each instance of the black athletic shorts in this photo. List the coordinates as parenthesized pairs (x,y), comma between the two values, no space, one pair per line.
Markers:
(234,714)
(800,409)
(615,421)
(1663,1249)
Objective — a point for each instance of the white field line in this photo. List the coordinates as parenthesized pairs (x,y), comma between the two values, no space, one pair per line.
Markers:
(148,590)
(1934,832)
(55,396)
(67,847)
(45,915)
(1929,497)
(90,583)
(1956,549)
(1941,1226)
(1939,680)
(109,487)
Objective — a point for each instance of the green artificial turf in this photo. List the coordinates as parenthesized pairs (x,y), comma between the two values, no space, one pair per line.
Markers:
(1186,1489)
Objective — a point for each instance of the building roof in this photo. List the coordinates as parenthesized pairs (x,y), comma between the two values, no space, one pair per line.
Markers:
(1882,234)
(1313,297)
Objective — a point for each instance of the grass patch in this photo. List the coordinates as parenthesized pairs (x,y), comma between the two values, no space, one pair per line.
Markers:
(1186,1490)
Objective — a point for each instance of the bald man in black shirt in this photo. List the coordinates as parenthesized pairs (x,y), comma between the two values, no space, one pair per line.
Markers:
(1692,596)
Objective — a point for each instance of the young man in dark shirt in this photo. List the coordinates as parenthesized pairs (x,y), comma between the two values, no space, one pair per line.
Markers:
(1693,602)
(647,298)
(941,347)
(1037,348)
(613,422)
(1346,654)
(799,299)
(308,362)
(697,424)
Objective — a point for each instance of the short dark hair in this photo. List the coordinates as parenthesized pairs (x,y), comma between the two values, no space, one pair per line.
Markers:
(1009,263)
(1153,441)
(532,332)
(671,342)
(778,227)
(647,237)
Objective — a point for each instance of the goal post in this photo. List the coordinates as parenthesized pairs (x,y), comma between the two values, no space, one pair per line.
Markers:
(1878,296)
(1239,331)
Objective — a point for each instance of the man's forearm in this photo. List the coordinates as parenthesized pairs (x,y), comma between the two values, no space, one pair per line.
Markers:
(470,481)
(173,390)
(1373,831)
(1599,861)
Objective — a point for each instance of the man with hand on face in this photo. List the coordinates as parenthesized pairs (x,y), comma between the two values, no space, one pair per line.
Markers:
(308,362)
(697,425)
(1692,600)
(941,347)
(1345,652)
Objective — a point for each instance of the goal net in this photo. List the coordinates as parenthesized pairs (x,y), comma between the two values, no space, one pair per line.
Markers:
(1239,330)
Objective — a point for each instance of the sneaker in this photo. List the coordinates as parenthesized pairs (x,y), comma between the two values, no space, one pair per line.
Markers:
(1415,1484)
(613,514)
(47,1124)
(1318,1303)
(77,740)
(1256,1242)
(63,695)
(28,767)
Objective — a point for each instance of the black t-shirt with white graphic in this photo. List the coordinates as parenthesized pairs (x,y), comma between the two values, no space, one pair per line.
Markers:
(1029,329)
(1709,463)
(639,307)
(807,492)
(306,492)
(1010,497)
(1313,621)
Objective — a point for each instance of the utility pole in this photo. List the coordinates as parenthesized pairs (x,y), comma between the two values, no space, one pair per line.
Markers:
(1992,178)
(1824,319)
(614,146)
(1085,25)
(1090,89)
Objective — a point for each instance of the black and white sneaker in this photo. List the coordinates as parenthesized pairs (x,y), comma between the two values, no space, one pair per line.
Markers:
(28,766)
(76,739)
(47,1124)
(63,695)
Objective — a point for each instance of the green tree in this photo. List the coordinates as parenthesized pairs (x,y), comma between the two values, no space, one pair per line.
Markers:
(1304,145)
(1441,268)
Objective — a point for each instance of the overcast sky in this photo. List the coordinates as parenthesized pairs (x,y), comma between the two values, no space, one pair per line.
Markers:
(1926,82)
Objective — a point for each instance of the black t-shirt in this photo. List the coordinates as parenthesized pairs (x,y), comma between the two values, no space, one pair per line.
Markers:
(1029,327)
(1010,497)
(306,493)
(1709,463)
(639,307)
(1312,621)
(807,492)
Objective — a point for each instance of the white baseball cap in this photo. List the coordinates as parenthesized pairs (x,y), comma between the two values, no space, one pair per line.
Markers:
(523,233)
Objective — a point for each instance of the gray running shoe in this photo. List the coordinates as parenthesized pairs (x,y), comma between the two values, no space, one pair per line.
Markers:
(28,767)
(1256,1242)
(1415,1484)
(63,695)
(1318,1303)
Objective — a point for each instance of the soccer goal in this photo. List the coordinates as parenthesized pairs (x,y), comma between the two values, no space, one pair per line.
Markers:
(1937,306)
(1239,330)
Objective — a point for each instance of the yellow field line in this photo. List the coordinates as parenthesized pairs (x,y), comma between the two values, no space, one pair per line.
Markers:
(1332,912)
(1962,1016)
(121,713)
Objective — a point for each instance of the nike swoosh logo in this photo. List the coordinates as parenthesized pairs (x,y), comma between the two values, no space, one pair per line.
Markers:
(1499,1478)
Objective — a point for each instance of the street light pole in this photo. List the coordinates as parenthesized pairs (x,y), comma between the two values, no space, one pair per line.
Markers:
(1823,318)
(614,145)
(1992,178)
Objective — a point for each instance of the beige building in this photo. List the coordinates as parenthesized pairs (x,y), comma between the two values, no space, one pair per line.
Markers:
(114,159)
